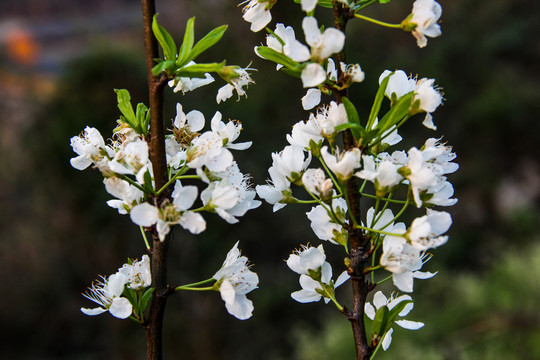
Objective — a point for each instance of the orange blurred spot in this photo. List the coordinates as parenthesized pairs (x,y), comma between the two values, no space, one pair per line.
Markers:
(21,47)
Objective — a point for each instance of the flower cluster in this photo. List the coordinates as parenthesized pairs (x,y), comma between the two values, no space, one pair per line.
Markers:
(108,292)
(208,154)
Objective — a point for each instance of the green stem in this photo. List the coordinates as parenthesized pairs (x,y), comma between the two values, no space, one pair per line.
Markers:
(384,280)
(336,184)
(134,183)
(143,233)
(365,5)
(190,286)
(174,178)
(377,231)
(382,23)
(195,289)
(384,199)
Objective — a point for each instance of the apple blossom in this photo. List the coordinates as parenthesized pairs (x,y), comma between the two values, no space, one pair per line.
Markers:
(107,293)
(234,281)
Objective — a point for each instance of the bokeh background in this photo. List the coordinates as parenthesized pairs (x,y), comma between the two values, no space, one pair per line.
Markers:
(59,63)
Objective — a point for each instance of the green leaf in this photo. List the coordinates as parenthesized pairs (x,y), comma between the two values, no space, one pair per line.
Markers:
(199,70)
(357,131)
(141,115)
(148,182)
(273,55)
(187,43)
(380,323)
(396,310)
(206,42)
(145,299)
(125,107)
(384,1)
(162,66)
(349,126)
(165,40)
(377,103)
(396,113)
(325,3)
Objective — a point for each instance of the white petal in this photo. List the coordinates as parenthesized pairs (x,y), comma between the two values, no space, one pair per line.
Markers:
(144,214)
(241,307)
(308,5)
(342,278)
(94,311)
(379,300)
(411,325)
(193,222)
(311,99)
(120,308)
(369,310)
(387,339)
(311,30)
(313,75)
(305,296)
(195,120)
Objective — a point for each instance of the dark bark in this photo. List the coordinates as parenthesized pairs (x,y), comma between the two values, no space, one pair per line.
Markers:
(154,325)
(358,243)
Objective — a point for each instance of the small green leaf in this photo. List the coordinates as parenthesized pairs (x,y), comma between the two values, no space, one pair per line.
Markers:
(145,299)
(165,40)
(148,182)
(273,55)
(206,42)
(199,70)
(162,66)
(377,103)
(396,113)
(141,115)
(349,126)
(396,310)
(187,43)
(125,107)
(380,323)
(352,115)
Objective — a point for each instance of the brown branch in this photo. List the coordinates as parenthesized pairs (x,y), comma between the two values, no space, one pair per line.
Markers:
(358,242)
(154,325)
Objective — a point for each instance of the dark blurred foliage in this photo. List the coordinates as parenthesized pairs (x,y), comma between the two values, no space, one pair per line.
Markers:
(58,234)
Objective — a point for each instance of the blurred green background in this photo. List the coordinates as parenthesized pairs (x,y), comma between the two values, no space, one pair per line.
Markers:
(59,63)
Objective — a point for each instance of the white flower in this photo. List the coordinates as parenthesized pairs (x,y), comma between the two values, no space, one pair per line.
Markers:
(228,132)
(257,13)
(107,293)
(399,84)
(330,117)
(186,84)
(421,174)
(304,132)
(90,149)
(317,183)
(352,72)
(424,17)
(132,159)
(404,262)
(291,162)
(138,273)
(127,194)
(193,121)
(441,155)
(171,214)
(441,193)
(382,172)
(235,280)
(425,232)
(384,221)
(290,47)
(324,44)
(380,301)
(343,163)
(325,225)
(312,288)
(228,200)
(207,150)
(235,83)
(306,259)
(273,193)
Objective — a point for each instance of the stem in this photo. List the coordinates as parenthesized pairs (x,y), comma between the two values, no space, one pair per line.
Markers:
(143,233)
(359,242)
(382,23)
(154,325)
(187,286)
